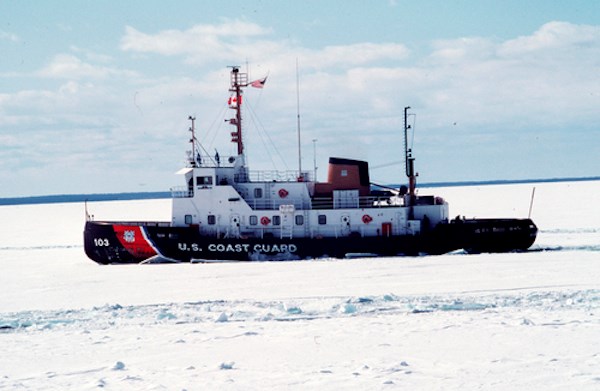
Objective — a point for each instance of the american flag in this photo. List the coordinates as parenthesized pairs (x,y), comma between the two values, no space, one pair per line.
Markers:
(260,83)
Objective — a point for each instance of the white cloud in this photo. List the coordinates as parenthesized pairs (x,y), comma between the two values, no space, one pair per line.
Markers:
(554,36)
(68,66)
(6,36)
(358,54)
(197,39)
(235,39)
(547,78)
(448,52)
(91,55)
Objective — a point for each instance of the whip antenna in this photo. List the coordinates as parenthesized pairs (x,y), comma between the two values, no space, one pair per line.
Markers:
(531,203)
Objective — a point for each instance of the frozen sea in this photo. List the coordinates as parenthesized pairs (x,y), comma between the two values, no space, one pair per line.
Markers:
(516,321)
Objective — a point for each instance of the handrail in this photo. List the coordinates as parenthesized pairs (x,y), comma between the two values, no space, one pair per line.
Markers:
(266,204)
(181,192)
(274,176)
(136,223)
(363,202)
(324,203)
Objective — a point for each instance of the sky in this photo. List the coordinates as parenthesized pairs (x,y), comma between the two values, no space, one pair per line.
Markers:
(95,96)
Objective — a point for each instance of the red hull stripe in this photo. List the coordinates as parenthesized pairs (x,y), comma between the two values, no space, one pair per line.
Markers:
(133,239)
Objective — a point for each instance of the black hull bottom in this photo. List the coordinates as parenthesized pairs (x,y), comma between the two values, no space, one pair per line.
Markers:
(112,242)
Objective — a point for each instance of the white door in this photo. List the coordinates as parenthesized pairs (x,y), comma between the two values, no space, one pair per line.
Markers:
(234,226)
(400,226)
(345,225)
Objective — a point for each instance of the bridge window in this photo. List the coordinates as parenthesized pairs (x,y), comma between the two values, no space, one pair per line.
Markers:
(212,219)
(253,220)
(204,180)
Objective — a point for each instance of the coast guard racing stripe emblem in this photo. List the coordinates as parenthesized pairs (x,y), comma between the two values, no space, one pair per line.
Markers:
(132,239)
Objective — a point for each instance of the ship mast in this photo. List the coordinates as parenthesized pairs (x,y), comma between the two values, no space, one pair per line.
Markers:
(238,81)
(192,157)
(409,161)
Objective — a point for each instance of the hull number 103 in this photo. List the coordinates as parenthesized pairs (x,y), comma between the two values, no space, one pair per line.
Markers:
(99,242)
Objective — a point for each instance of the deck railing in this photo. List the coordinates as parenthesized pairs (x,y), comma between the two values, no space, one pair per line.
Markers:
(325,203)
(274,176)
(264,204)
(181,192)
(361,202)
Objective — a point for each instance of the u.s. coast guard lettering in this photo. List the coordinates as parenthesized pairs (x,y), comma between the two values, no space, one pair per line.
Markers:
(241,247)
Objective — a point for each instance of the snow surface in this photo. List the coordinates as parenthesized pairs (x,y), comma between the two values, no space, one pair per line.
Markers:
(518,321)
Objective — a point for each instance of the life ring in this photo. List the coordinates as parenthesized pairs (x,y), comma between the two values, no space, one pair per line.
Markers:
(283,193)
(265,220)
(367,219)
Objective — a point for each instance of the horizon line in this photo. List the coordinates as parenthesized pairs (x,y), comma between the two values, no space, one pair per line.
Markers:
(130,196)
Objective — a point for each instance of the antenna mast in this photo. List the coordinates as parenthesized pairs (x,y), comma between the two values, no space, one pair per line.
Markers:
(300,177)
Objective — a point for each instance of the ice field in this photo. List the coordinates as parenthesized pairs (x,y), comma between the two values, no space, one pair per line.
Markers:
(516,321)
